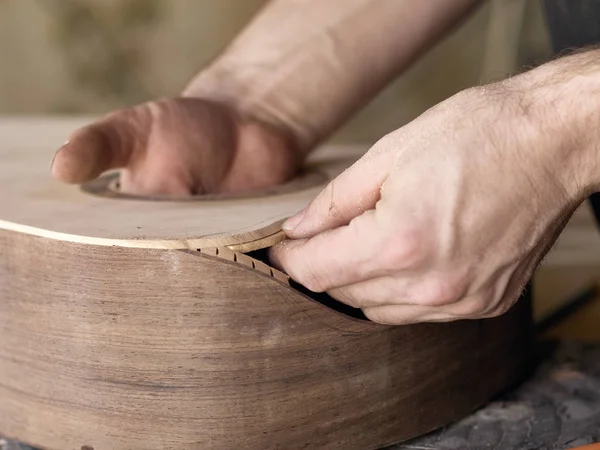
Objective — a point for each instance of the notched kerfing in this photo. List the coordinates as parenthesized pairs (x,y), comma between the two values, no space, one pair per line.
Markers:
(252,260)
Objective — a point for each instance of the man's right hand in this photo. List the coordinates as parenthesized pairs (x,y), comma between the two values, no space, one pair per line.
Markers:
(180,146)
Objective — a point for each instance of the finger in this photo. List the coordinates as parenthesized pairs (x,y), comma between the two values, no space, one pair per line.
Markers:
(335,258)
(353,192)
(407,314)
(101,146)
(407,286)
(381,291)
(471,307)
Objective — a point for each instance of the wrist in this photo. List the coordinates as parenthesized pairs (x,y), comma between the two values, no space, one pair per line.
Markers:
(224,83)
(556,99)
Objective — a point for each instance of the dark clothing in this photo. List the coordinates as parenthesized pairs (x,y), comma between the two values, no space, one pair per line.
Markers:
(573,23)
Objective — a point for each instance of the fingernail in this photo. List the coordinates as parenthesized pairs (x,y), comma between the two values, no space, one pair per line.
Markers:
(293,221)
(56,153)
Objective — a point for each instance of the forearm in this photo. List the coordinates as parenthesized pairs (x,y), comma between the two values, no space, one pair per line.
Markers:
(307,65)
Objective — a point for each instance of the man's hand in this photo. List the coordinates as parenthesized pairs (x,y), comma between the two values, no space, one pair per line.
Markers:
(180,147)
(447,217)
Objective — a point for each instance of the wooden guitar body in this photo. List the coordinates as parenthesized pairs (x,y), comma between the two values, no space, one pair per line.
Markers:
(144,324)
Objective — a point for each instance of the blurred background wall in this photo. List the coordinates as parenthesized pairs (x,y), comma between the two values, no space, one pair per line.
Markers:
(91,56)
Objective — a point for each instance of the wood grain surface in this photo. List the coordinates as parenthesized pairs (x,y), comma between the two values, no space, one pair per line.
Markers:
(112,337)
(125,348)
(557,408)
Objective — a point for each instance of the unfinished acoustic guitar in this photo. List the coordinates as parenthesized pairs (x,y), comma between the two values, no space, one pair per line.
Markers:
(132,323)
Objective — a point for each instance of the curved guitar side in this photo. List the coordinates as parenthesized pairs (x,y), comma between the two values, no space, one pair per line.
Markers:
(131,348)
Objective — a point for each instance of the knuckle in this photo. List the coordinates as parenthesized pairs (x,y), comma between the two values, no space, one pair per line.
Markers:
(345,297)
(376,315)
(310,279)
(490,314)
(495,305)
(442,291)
(292,260)
(501,308)
(490,306)
(476,307)
(402,251)
(325,202)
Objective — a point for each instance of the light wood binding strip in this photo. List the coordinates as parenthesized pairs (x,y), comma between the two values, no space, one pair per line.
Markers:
(258,244)
(248,241)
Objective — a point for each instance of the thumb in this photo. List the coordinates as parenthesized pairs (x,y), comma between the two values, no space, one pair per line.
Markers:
(350,194)
(101,146)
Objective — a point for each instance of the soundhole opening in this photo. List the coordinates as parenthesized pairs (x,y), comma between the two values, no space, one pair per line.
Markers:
(108,186)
